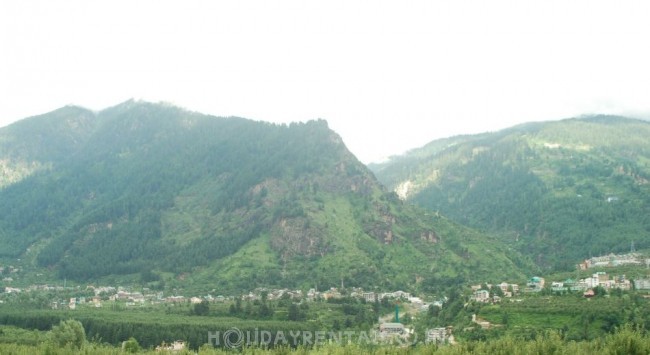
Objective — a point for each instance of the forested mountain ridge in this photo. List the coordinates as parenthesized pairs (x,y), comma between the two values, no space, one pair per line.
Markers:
(36,143)
(157,192)
(557,191)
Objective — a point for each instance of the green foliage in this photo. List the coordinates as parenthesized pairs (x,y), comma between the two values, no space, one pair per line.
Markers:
(131,346)
(15,335)
(173,199)
(69,333)
(202,308)
(294,313)
(557,191)
(624,341)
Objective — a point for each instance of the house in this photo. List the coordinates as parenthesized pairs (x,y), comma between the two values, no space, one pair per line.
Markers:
(178,345)
(623,284)
(312,294)
(569,284)
(332,293)
(481,296)
(642,284)
(508,289)
(589,293)
(136,297)
(295,295)
(175,299)
(12,290)
(195,300)
(438,335)
(401,294)
(391,328)
(368,296)
(558,286)
(611,260)
(535,284)
(251,297)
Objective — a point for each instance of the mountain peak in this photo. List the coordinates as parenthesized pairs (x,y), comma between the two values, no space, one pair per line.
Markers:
(225,202)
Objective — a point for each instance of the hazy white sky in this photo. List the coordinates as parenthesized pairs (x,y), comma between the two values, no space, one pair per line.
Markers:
(387,75)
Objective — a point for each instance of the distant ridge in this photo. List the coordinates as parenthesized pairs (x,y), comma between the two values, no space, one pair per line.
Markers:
(557,191)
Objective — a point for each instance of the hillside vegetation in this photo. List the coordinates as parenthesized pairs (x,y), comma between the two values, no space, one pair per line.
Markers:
(557,191)
(167,197)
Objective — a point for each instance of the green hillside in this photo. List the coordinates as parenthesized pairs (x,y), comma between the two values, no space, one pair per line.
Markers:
(157,194)
(557,191)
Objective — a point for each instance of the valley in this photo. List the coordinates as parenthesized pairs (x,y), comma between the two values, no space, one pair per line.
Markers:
(145,225)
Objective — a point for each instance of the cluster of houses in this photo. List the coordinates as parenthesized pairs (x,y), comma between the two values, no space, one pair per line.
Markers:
(613,260)
(481,293)
(331,293)
(602,279)
(136,298)
(599,279)
(485,293)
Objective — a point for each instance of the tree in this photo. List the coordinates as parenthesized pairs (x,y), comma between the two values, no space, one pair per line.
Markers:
(265,311)
(505,319)
(202,309)
(131,346)
(336,325)
(293,314)
(433,311)
(599,291)
(407,319)
(68,333)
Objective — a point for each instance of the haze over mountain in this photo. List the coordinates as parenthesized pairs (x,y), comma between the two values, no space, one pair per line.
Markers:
(557,191)
(151,192)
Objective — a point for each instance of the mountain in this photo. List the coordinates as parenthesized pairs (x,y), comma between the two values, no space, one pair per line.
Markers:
(556,191)
(154,193)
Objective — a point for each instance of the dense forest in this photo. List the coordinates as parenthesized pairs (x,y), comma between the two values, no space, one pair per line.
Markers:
(557,191)
(171,197)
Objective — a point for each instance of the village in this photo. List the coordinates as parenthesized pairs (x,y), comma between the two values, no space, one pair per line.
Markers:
(487,293)
(92,296)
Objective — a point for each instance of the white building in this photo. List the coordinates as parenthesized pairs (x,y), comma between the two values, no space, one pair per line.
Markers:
(642,284)
(436,335)
(391,328)
(369,296)
(481,296)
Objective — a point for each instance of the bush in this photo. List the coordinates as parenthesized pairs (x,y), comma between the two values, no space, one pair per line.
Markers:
(131,346)
(68,333)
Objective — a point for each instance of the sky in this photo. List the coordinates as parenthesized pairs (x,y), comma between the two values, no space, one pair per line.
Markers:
(388,76)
